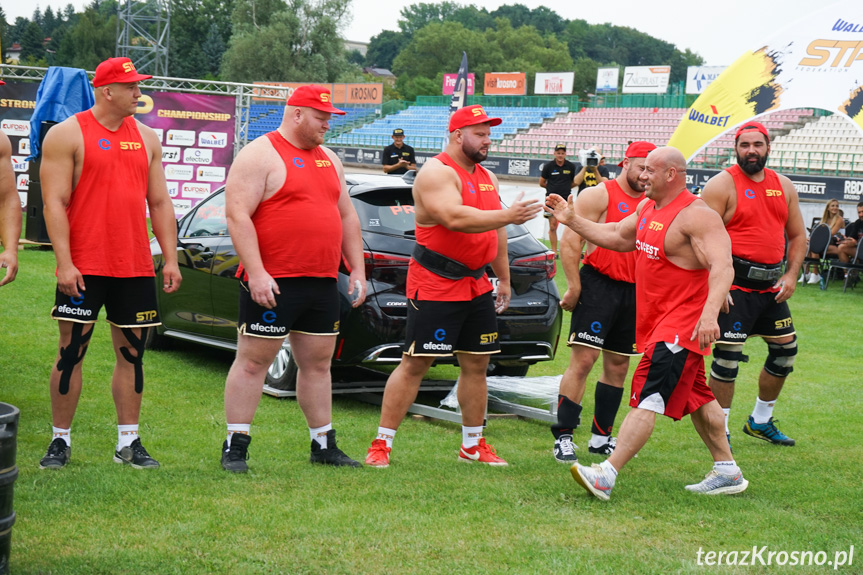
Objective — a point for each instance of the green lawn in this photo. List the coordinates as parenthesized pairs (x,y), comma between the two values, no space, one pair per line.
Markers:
(427,513)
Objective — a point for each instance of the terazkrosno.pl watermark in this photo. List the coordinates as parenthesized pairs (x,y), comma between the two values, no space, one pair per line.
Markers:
(758,556)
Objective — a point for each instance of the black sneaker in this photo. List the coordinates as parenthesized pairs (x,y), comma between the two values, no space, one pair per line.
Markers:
(332,455)
(564,449)
(136,456)
(606,448)
(58,455)
(234,457)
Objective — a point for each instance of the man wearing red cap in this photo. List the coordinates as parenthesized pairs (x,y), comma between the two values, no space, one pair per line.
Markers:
(460,229)
(101,170)
(292,221)
(10,212)
(601,297)
(759,208)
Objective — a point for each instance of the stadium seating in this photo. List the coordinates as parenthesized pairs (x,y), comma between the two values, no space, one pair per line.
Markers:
(266,117)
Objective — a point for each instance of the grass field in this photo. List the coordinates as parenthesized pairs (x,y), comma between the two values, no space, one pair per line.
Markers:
(427,513)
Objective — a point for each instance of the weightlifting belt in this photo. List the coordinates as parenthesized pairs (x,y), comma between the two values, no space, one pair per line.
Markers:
(443,266)
(755,275)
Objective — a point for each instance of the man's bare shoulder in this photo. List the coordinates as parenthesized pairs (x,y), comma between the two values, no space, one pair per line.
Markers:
(699,214)
(433,173)
(723,181)
(64,136)
(259,152)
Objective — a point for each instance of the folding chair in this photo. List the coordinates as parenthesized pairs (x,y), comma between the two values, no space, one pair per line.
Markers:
(819,239)
(855,265)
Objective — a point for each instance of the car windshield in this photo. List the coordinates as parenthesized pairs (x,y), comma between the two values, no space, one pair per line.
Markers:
(388,211)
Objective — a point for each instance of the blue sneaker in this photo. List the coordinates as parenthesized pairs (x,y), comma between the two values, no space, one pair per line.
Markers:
(767,432)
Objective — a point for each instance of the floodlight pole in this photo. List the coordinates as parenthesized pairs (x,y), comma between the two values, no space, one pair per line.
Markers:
(143,34)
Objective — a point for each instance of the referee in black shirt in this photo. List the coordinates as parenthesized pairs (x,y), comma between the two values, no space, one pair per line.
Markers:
(398,157)
(558,177)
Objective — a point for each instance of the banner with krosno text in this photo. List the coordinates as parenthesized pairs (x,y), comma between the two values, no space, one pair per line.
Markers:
(504,83)
(815,63)
(342,93)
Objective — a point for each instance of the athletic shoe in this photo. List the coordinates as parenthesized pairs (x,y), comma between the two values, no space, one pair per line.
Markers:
(332,455)
(58,455)
(136,456)
(716,483)
(605,449)
(481,453)
(234,457)
(564,449)
(802,278)
(814,279)
(767,432)
(594,479)
(379,454)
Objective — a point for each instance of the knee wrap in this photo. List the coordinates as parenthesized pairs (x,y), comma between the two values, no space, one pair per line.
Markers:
(136,361)
(568,417)
(780,358)
(71,355)
(726,356)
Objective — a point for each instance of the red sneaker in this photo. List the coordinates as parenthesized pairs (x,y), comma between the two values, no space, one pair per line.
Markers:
(379,454)
(482,453)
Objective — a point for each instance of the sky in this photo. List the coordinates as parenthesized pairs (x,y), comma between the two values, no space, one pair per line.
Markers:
(719,32)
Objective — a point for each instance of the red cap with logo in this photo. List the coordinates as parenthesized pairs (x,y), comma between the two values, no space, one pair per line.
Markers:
(638,150)
(470,116)
(117,70)
(314,96)
(755,126)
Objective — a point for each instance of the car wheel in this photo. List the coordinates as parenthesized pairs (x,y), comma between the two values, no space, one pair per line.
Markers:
(508,370)
(282,374)
(155,340)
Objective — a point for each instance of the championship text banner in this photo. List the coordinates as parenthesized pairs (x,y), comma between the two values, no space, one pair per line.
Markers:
(17,101)
(504,83)
(197,135)
(449,83)
(815,63)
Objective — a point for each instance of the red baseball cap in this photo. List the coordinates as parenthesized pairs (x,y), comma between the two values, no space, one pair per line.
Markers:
(751,126)
(2,83)
(470,116)
(638,150)
(117,70)
(314,96)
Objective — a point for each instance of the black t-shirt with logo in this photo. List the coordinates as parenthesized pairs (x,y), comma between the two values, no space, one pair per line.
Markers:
(392,155)
(590,177)
(559,178)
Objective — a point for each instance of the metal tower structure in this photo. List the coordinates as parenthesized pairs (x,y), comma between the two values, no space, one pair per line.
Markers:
(143,34)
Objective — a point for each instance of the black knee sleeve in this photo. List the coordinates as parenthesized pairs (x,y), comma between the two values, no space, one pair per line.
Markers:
(71,355)
(137,361)
(568,417)
(780,358)
(725,361)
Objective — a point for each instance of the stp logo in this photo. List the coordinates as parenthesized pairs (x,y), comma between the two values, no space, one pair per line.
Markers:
(323,163)
(478,111)
(128,67)
(486,188)
(774,193)
(819,50)
(143,316)
(325,97)
(655,226)
(130,145)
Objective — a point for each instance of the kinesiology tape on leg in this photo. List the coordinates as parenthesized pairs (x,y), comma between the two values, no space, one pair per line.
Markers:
(726,356)
(136,361)
(780,358)
(606,403)
(71,355)
(568,417)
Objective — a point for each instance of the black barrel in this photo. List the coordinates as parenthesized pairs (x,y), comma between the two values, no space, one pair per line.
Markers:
(8,475)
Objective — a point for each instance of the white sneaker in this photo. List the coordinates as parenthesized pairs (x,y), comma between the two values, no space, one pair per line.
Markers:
(814,279)
(802,278)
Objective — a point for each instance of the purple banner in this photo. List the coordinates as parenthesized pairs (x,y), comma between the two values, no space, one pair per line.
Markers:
(197,135)
(17,101)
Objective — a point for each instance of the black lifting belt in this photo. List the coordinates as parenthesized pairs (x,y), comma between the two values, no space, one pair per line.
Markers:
(755,275)
(443,266)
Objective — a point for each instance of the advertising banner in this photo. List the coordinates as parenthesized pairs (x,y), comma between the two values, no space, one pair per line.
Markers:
(606,80)
(197,135)
(17,101)
(505,83)
(553,82)
(814,63)
(646,79)
(341,93)
(449,81)
(699,77)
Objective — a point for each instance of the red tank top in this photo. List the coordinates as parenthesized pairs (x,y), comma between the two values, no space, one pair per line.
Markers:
(668,299)
(299,228)
(757,228)
(108,205)
(473,250)
(618,266)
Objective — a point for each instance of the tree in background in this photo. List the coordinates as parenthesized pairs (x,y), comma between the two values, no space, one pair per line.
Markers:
(200,31)
(92,38)
(384,48)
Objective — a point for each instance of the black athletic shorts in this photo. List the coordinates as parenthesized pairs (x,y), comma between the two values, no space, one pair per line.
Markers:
(604,317)
(129,302)
(442,328)
(305,305)
(754,314)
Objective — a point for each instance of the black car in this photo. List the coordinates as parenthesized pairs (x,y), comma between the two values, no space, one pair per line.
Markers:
(205,309)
